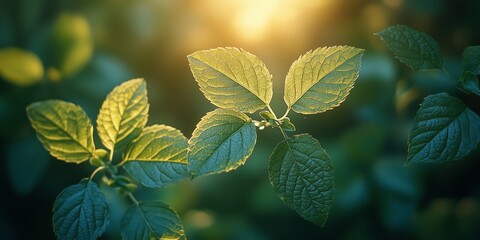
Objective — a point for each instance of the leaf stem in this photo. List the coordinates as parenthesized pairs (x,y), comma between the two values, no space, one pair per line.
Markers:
(286,114)
(96,171)
(283,133)
(271,111)
(134,200)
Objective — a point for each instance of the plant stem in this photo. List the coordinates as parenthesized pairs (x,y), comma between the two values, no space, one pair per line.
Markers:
(286,114)
(444,71)
(271,111)
(96,171)
(134,200)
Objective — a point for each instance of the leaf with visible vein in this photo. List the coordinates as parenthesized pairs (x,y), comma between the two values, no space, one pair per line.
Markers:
(221,142)
(321,79)
(151,220)
(301,173)
(157,157)
(413,48)
(63,128)
(232,78)
(445,130)
(80,212)
(123,114)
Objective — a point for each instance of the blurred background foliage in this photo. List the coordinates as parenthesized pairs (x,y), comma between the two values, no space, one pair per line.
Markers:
(79,50)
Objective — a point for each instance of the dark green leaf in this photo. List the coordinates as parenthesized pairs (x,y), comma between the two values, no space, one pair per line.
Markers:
(151,220)
(123,114)
(471,59)
(232,78)
(302,175)
(80,212)
(413,48)
(63,128)
(469,83)
(158,156)
(221,142)
(321,79)
(445,130)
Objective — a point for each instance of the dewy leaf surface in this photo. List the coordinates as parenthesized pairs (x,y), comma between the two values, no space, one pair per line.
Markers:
(321,79)
(80,212)
(232,78)
(151,220)
(20,67)
(221,142)
(158,156)
(301,173)
(123,114)
(413,48)
(63,128)
(445,130)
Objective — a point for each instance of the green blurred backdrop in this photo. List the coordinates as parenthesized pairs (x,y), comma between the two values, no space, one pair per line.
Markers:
(88,47)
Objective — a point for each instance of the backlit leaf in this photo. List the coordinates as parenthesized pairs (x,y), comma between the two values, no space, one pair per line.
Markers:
(302,175)
(321,79)
(80,212)
(151,220)
(445,130)
(123,114)
(158,156)
(63,128)
(413,48)
(20,67)
(72,42)
(232,78)
(221,142)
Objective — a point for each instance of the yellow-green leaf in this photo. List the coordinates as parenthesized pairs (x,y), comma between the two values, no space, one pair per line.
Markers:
(63,128)
(158,156)
(123,114)
(72,42)
(221,142)
(20,67)
(232,78)
(321,79)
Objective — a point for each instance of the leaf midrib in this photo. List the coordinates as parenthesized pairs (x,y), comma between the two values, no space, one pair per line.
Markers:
(225,75)
(339,65)
(65,132)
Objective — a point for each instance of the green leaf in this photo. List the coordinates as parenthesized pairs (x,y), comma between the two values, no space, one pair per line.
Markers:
(232,78)
(413,48)
(471,59)
(80,212)
(151,220)
(469,83)
(221,142)
(471,65)
(20,67)
(123,114)
(72,42)
(445,130)
(158,156)
(321,79)
(301,173)
(63,128)
(287,125)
